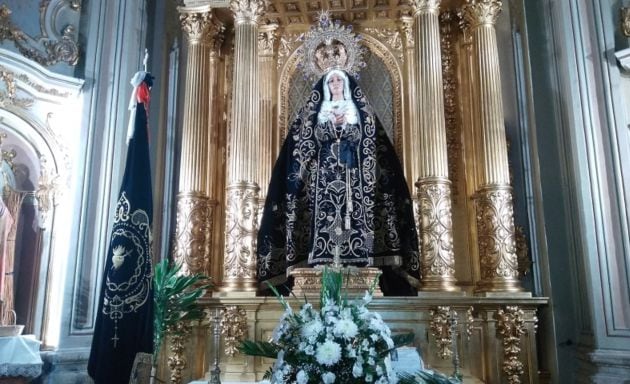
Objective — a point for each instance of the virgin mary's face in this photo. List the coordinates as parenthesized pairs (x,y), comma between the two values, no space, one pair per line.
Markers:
(335,84)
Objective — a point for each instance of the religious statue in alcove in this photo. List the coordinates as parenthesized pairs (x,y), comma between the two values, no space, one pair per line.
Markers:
(337,193)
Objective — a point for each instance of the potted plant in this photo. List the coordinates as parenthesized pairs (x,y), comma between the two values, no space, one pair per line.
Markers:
(175,300)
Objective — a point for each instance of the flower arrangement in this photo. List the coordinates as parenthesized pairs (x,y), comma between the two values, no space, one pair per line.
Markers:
(342,342)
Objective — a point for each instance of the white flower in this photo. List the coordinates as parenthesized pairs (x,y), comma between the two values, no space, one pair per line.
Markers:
(328,353)
(368,378)
(370,360)
(367,298)
(346,329)
(357,369)
(312,329)
(328,378)
(302,377)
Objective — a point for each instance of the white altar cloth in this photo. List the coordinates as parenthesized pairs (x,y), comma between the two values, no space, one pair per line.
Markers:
(19,357)
(408,360)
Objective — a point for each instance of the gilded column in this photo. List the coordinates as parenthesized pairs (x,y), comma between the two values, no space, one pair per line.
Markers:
(493,197)
(433,186)
(192,235)
(267,36)
(215,155)
(411,122)
(241,227)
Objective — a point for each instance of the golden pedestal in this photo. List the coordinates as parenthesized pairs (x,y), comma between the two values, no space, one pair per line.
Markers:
(307,281)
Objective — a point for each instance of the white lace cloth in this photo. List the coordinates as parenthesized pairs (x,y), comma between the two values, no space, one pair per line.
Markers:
(19,357)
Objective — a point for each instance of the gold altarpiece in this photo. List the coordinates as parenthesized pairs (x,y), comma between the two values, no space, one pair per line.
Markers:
(446,117)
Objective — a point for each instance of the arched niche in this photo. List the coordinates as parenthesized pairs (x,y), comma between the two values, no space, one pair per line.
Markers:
(293,89)
(39,119)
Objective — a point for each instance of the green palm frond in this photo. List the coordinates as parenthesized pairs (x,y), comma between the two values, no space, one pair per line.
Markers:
(332,283)
(175,299)
(425,377)
(259,348)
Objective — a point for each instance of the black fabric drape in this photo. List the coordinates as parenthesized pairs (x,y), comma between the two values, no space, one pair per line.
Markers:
(306,199)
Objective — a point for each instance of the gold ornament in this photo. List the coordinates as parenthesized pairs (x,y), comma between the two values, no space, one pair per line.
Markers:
(233,328)
(329,45)
(511,326)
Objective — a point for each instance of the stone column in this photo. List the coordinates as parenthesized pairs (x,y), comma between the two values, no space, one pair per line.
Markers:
(241,227)
(433,186)
(493,197)
(267,36)
(192,235)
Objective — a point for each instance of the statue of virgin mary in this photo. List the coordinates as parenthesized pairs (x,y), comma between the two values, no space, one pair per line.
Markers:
(337,193)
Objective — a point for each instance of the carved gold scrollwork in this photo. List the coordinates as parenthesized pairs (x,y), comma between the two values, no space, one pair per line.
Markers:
(424,6)
(200,27)
(248,11)
(406,29)
(44,50)
(482,12)
(390,37)
(47,193)
(289,42)
(191,246)
(511,326)
(448,21)
(233,328)
(437,261)
(267,37)
(495,227)
(624,14)
(442,325)
(178,335)
(470,322)
(241,228)
(8,95)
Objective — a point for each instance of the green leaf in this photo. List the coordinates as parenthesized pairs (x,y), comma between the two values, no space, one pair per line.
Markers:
(259,348)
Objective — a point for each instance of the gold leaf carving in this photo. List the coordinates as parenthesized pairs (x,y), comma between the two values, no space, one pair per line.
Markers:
(8,95)
(43,50)
(289,42)
(178,335)
(390,37)
(436,230)
(511,326)
(482,12)
(241,228)
(450,81)
(233,328)
(248,11)
(424,6)
(193,228)
(624,14)
(201,27)
(495,226)
(442,325)
(267,37)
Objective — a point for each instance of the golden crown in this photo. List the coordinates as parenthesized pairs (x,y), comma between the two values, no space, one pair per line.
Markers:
(330,45)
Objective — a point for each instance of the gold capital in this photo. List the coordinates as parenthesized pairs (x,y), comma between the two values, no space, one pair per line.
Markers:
(199,27)
(481,12)
(425,6)
(267,36)
(248,11)
(406,28)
